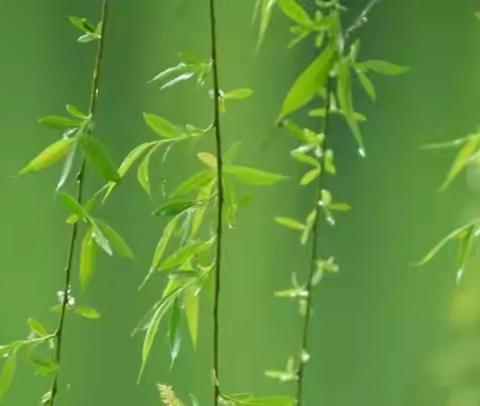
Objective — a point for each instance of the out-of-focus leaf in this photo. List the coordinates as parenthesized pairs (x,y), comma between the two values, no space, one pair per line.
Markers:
(87,312)
(253,176)
(295,12)
(191,305)
(238,94)
(7,374)
(290,223)
(383,67)
(195,182)
(174,207)
(462,159)
(59,122)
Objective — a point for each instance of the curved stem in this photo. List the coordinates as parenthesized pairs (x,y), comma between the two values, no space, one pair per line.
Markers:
(220,192)
(312,266)
(79,196)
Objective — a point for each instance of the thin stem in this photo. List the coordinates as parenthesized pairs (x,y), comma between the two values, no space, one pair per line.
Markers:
(220,192)
(79,195)
(312,265)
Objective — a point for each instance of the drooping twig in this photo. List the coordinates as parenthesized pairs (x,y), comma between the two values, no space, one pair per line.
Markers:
(80,177)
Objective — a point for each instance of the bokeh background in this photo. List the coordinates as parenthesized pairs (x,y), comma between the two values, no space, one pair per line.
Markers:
(377,324)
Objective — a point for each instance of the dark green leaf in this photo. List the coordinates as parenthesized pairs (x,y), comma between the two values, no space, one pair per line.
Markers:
(97,156)
(174,207)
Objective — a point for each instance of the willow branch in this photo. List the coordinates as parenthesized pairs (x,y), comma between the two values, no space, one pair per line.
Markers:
(79,195)
(314,254)
(220,192)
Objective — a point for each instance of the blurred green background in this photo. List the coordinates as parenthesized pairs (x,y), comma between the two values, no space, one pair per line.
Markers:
(376,324)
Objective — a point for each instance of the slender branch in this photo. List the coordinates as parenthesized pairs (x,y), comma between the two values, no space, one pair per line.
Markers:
(220,192)
(79,195)
(361,18)
(312,265)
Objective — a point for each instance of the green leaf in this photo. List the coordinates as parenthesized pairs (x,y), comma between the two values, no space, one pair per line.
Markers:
(309,82)
(71,204)
(195,182)
(344,93)
(127,163)
(208,159)
(232,152)
(462,160)
(191,306)
(45,366)
(290,223)
(82,24)
(87,312)
(118,243)
(100,238)
(173,332)
(59,122)
(383,67)
(161,126)
(367,84)
(266,7)
(238,94)
(252,176)
(8,372)
(97,156)
(185,253)
(37,328)
(455,234)
(174,207)
(87,258)
(48,156)
(310,176)
(295,12)
(151,333)
(76,112)
(143,174)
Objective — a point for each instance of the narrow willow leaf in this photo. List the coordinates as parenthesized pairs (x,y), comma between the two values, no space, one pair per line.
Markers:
(447,144)
(160,249)
(143,174)
(45,366)
(181,78)
(173,333)
(195,182)
(265,7)
(340,206)
(82,24)
(71,204)
(367,84)
(87,312)
(60,122)
(310,221)
(174,207)
(37,328)
(161,126)
(238,94)
(127,163)
(295,12)
(150,335)
(199,214)
(252,176)
(191,306)
(290,223)
(100,238)
(455,234)
(185,253)
(76,112)
(8,372)
(48,156)
(67,166)
(182,67)
(87,259)
(98,157)
(344,93)
(385,68)
(208,159)
(310,176)
(310,160)
(309,82)
(117,242)
(461,160)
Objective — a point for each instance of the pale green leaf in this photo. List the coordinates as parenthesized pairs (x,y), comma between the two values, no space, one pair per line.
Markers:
(191,306)
(462,160)
(383,67)
(118,243)
(195,182)
(161,126)
(290,223)
(48,156)
(87,258)
(253,176)
(87,312)
(8,372)
(309,82)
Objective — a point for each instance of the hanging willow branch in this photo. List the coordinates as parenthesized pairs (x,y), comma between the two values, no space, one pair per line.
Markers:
(78,133)
(329,76)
